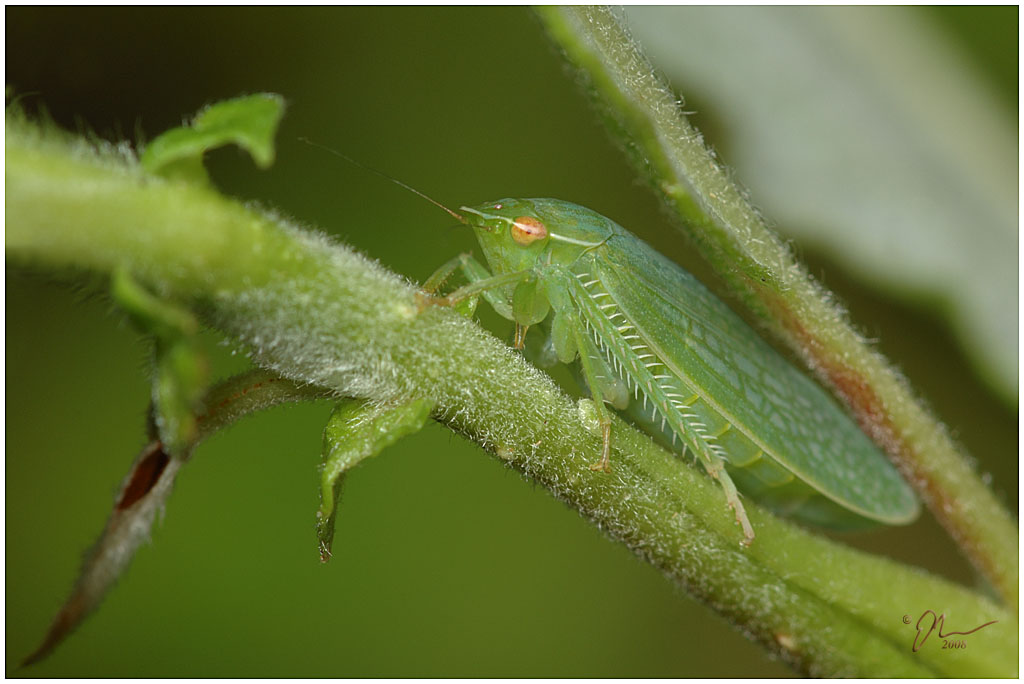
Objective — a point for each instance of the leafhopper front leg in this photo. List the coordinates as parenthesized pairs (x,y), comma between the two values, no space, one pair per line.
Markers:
(481,282)
(444,272)
(484,287)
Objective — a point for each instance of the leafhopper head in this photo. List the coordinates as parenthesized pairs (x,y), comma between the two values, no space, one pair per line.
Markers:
(514,233)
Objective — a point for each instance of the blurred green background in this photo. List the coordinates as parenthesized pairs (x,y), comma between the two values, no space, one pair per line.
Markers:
(446,563)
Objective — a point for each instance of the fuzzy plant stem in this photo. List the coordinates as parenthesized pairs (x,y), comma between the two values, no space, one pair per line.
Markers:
(645,116)
(314,312)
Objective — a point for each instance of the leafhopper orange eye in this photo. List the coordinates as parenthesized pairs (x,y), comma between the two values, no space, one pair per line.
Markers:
(526,230)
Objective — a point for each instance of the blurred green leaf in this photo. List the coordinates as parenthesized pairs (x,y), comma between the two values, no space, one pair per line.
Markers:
(865,133)
(249,122)
(147,488)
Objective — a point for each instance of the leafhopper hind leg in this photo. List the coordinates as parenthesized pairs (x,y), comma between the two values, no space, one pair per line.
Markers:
(568,336)
(716,469)
(604,387)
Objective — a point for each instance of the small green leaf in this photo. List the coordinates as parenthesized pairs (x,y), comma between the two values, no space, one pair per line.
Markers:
(249,122)
(149,312)
(181,368)
(181,373)
(355,431)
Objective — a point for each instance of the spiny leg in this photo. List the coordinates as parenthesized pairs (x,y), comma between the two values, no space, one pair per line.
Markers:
(592,363)
(716,469)
(613,389)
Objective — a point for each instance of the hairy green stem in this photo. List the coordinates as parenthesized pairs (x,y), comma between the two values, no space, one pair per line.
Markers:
(715,214)
(315,312)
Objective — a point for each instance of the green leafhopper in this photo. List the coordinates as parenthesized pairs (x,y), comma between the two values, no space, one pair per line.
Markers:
(653,341)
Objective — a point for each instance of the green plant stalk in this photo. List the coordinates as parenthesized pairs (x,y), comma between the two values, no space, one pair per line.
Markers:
(644,115)
(315,312)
